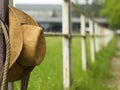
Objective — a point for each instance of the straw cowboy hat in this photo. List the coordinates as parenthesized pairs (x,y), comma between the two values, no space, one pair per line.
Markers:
(27,44)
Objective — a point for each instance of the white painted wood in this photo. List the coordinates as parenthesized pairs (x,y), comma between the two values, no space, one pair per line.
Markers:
(101,38)
(10,86)
(66,29)
(83,43)
(92,42)
(11,2)
(98,38)
(108,35)
(97,48)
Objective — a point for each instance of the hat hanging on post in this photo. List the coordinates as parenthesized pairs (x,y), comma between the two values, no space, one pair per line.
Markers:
(27,44)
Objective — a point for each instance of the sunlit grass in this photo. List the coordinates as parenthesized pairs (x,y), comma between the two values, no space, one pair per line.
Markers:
(48,75)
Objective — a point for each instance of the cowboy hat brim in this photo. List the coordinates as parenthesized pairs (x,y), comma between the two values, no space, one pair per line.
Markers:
(17,71)
(16,37)
(20,67)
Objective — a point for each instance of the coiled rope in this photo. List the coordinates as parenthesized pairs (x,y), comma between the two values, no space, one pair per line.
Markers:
(6,64)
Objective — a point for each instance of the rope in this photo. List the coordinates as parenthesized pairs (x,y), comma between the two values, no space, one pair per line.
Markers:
(6,65)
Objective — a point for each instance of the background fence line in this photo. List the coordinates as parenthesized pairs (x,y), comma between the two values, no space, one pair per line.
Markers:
(99,37)
(95,30)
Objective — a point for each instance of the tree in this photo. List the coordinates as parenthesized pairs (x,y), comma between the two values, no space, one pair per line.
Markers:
(111,11)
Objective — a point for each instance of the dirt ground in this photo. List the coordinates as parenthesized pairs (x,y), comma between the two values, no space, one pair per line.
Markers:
(115,82)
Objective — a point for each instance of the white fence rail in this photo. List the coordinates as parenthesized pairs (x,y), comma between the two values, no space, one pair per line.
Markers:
(99,37)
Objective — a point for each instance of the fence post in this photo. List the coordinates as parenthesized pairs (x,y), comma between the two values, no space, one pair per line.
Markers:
(10,86)
(66,29)
(99,36)
(92,43)
(102,37)
(83,43)
(4,10)
(97,48)
(108,35)
(105,37)
(11,2)
(4,17)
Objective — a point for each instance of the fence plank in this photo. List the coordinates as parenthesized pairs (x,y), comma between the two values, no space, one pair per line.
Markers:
(83,43)
(102,38)
(97,48)
(11,2)
(10,86)
(4,17)
(66,22)
(4,10)
(92,43)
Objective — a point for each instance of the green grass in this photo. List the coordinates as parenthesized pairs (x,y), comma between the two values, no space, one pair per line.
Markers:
(97,73)
(48,75)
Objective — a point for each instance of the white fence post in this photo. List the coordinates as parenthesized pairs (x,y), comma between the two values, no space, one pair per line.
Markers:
(10,86)
(92,42)
(66,25)
(83,43)
(11,2)
(108,35)
(97,48)
(102,37)
(98,37)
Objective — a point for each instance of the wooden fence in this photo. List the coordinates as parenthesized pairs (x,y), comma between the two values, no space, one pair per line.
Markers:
(99,37)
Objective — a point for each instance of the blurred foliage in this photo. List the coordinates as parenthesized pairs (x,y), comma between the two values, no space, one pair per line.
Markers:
(99,2)
(90,9)
(111,11)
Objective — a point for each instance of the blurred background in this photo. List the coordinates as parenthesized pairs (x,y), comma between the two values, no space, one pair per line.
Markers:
(48,13)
